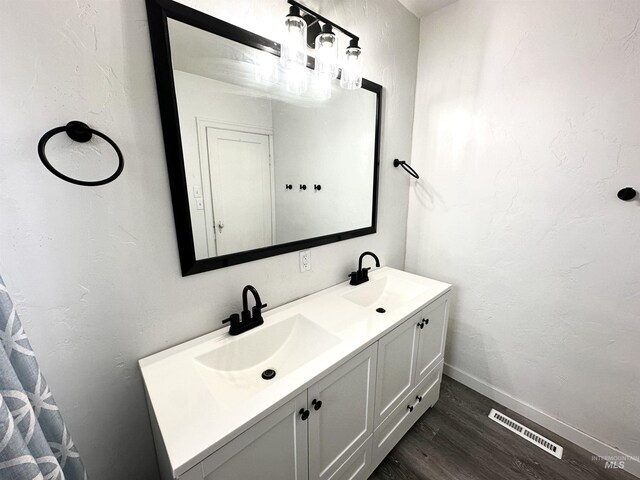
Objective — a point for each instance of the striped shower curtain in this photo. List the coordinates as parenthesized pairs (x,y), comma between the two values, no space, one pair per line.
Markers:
(34,441)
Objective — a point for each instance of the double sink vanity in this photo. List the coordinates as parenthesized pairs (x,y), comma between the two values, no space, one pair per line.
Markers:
(322,390)
(323,387)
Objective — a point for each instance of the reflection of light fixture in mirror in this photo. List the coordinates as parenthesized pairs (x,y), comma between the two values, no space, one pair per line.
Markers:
(326,52)
(266,68)
(321,87)
(293,43)
(296,78)
(352,68)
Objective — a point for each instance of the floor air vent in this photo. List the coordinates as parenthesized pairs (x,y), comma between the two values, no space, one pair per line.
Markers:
(545,444)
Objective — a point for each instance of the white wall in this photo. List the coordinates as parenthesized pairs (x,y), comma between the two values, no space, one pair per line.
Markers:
(95,271)
(527,124)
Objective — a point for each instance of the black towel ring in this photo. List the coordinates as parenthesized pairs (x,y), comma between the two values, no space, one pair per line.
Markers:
(80,132)
(401,163)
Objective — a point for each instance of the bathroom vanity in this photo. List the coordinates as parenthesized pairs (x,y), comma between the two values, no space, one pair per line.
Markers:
(355,367)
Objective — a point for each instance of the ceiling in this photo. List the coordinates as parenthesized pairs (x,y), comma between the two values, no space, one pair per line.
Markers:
(424,7)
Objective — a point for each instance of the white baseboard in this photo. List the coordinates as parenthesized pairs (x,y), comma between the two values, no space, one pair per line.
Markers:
(558,427)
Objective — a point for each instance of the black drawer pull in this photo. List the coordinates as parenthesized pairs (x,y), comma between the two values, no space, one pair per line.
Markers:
(410,408)
(304,414)
(317,404)
(419,398)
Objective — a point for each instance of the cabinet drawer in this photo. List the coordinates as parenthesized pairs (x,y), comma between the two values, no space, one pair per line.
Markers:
(429,390)
(398,423)
(358,466)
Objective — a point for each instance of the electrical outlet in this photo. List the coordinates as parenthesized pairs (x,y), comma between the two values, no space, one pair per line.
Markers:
(199,204)
(305,261)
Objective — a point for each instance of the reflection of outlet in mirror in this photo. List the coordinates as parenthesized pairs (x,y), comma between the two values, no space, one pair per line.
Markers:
(199,204)
(305,261)
(197,191)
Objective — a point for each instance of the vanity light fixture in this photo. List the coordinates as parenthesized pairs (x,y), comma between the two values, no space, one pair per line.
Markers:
(301,22)
(352,68)
(293,53)
(327,53)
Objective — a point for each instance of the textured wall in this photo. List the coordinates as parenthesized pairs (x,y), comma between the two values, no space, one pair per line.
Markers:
(95,271)
(527,123)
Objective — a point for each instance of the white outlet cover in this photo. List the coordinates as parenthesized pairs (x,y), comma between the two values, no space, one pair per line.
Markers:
(305,261)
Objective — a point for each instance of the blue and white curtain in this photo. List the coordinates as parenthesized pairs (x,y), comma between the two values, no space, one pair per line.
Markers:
(34,441)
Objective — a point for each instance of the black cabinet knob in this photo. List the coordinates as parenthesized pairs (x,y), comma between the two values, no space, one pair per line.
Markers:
(317,404)
(317,187)
(304,414)
(410,408)
(419,398)
(627,194)
(425,321)
(303,186)
(288,186)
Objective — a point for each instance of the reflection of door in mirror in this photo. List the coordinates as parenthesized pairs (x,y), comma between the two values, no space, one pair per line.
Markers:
(240,175)
(205,106)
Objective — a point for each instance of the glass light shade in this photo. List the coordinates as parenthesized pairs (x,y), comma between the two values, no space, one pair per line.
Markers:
(327,55)
(351,78)
(293,50)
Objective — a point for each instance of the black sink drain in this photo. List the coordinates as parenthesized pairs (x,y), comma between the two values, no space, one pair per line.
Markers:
(380,310)
(268,374)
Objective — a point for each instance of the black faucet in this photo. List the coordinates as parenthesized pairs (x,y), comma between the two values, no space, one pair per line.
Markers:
(240,323)
(362,274)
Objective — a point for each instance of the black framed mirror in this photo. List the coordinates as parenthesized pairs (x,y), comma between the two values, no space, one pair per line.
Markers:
(260,162)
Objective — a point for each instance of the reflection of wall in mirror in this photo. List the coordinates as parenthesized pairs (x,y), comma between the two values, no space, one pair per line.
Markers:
(332,144)
(203,98)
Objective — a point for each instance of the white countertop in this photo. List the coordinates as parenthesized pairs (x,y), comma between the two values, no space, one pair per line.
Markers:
(195,421)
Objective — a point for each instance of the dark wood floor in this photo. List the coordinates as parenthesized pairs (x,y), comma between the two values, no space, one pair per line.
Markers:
(455,440)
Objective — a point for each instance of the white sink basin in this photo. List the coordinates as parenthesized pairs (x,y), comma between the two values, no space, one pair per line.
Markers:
(235,367)
(387,292)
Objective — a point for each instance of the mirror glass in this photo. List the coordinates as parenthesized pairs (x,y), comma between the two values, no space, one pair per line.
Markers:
(270,157)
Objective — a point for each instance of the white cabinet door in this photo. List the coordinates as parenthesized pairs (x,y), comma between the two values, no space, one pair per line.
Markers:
(274,448)
(396,362)
(343,421)
(431,338)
